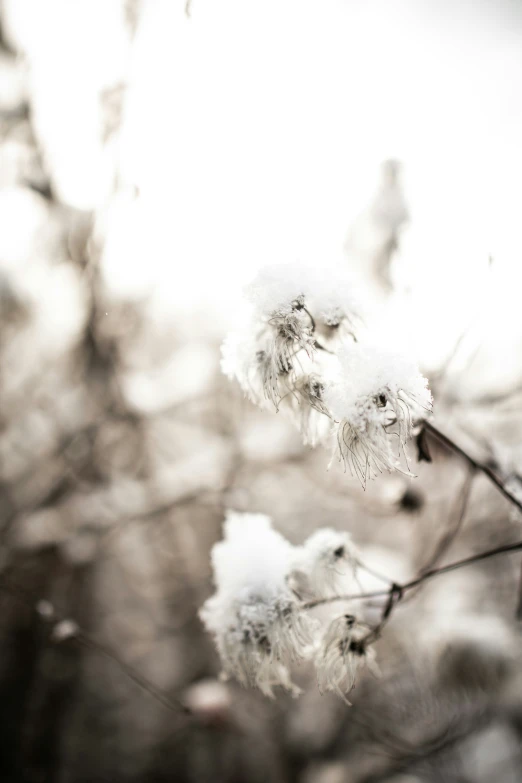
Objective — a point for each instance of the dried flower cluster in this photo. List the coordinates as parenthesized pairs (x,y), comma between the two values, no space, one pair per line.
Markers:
(303,352)
(258,616)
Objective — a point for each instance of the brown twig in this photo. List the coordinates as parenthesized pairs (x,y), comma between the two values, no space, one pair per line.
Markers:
(449,536)
(505,549)
(452,446)
(78,635)
(395,595)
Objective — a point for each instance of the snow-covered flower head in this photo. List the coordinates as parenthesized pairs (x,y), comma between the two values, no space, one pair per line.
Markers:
(326,294)
(258,625)
(268,357)
(259,615)
(342,654)
(324,565)
(377,399)
(282,355)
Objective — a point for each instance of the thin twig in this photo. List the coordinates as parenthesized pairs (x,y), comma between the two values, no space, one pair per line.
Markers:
(353,597)
(434,746)
(310,316)
(450,535)
(452,446)
(140,680)
(505,549)
(20,594)
(313,329)
(395,595)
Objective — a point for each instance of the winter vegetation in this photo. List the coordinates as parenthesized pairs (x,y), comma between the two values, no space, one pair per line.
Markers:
(260,392)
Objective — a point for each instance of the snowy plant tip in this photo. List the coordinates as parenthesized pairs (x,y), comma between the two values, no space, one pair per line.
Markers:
(279,288)
(283,353)
(254,616)
(377,400)
(325,565)
(257,616)
(367,372)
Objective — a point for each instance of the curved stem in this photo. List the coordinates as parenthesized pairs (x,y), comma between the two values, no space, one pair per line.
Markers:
(310,316)
(79,636)
(452,446)
(505,549)
(454,528)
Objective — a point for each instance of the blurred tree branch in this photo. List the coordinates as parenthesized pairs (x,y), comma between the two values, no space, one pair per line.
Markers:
(46,612)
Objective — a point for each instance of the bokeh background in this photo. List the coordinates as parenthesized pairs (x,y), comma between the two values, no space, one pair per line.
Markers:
(153,155)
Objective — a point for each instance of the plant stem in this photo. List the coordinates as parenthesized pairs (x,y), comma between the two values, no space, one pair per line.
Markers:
(79,636)
(505,549)
(454,528)
(450,444)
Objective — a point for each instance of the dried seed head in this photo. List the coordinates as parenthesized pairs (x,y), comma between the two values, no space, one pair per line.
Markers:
(342,655)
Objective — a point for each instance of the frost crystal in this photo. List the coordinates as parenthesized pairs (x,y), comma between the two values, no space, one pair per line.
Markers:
(342,654)
(255,618)
(378,399)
